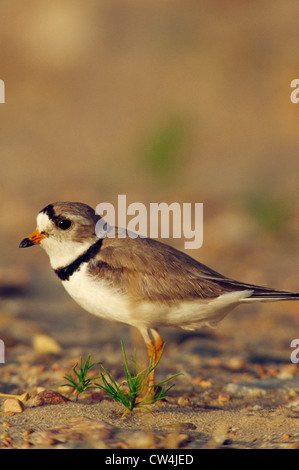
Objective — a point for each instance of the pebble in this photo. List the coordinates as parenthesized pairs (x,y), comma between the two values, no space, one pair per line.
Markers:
(261,387)
(236,363)
(257,408)
(223,398)
(45,344)
(27,432)
(5,424)
(219,436)
(183,401)
(49,397)
(293,404)
(82,430)
(13,405)
(245,390)
(174,440)
(141,440)
(65,389)
(6,439)
(202,382)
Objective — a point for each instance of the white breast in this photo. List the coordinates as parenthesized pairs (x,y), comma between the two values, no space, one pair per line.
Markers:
(97,297)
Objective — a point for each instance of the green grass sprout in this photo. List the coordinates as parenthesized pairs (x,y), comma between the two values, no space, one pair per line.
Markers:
(134,391)
(80,383)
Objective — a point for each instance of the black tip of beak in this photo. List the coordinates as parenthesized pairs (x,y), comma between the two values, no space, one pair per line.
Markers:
(26,242)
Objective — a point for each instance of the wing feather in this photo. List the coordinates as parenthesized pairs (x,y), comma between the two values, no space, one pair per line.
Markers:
(150,270)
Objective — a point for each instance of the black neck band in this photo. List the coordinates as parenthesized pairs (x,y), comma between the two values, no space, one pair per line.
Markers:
(65,273)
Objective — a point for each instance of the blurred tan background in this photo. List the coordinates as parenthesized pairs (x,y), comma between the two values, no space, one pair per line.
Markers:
(184,101)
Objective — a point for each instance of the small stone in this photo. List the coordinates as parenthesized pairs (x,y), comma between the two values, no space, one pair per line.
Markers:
(293,404)
(13,405)
(65,389)
(7,443)
(247,390)
(206,383)
(227,442)
(49,397)
(27,432)
(183,401)
(202,382)
(285,374)
(97,431)
(44,440)
(174,440)
(141,440)
(292,394)
(236,363)
(5,424)
(257,408)
(24,397)
(6,439)
(219,437)
(45,344)
(223,398)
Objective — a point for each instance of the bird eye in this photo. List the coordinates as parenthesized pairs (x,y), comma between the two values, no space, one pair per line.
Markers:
(65,224)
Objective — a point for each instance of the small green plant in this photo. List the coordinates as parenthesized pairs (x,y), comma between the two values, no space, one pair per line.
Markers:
(134,392)
(81,383)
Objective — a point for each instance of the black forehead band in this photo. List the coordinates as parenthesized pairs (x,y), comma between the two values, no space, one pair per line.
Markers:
(49,210)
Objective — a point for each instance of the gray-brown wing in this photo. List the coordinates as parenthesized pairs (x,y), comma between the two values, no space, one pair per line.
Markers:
(149,270)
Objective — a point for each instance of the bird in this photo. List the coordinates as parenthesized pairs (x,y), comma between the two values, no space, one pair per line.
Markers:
(136,280)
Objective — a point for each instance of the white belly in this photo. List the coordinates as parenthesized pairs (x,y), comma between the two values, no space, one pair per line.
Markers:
(189,315)
(97,297)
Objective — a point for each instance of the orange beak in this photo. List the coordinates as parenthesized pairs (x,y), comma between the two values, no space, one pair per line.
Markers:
(34,239)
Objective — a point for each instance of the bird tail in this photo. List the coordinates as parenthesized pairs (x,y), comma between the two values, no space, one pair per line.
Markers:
(265,294)
(271,295)
(259,293)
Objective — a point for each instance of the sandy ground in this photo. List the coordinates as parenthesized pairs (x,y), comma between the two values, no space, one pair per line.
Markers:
(239,388)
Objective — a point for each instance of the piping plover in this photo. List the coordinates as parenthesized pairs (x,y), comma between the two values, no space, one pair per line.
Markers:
(137,281)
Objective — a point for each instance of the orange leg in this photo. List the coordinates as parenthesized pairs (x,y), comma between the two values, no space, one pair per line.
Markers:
(154,350)
(154,344)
